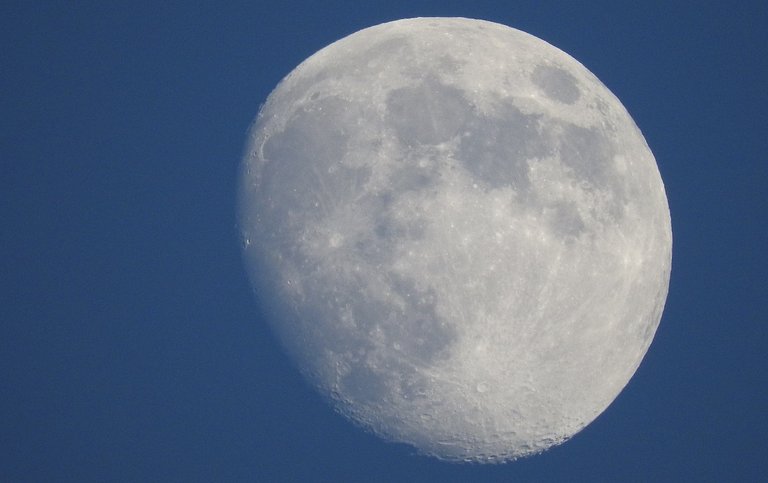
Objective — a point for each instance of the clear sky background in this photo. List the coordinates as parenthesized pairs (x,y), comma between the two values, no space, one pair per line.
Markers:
(131,347)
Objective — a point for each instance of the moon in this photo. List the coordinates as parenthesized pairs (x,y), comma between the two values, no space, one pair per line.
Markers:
(458,233)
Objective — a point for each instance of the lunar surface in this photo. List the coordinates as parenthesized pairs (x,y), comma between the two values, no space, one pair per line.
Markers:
(459,234)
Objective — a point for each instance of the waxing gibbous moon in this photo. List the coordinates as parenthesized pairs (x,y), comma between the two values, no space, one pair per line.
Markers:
(459,234)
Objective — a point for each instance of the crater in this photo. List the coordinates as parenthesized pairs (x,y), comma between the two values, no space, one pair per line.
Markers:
(308,153)
(496,149)
(395,318)
(308,157)
(557,84)
(390,340)
(414,176)
(364,385)
(311,123)
(418,330)
(428,113)
(384,231)
(395,231)
(566,222)
(585,151)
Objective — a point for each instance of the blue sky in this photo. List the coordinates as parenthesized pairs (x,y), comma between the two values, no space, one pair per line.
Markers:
(131,347)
